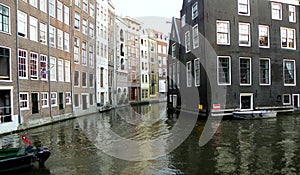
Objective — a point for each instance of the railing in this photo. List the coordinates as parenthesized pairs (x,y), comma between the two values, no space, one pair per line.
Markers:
(5,114)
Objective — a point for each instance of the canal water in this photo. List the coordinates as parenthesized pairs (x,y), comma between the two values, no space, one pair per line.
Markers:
(242,147)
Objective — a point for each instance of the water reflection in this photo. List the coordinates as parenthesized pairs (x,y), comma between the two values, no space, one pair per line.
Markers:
(238,146)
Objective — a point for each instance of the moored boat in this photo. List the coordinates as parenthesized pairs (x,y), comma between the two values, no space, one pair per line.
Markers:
(249,114)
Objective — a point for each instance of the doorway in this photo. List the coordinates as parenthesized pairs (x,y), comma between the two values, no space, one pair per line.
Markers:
(61,100)
(296,100)
(35,103)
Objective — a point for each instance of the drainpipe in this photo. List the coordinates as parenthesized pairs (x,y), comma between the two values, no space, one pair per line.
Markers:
(115,63)
(17,59)
(48,66)
(71,53)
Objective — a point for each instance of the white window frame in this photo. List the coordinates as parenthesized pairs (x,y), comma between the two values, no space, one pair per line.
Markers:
(85,5)
(52,36)
(43,33)
(53,99)
(195,36)
(43,63)
(223,28)
(276,11)
(250,71)
(241,7)
(77,21)
(290,101)
(229,70)
(91,55)
(84,53)
(34,68)
(25,101)
(68,98)
(59,11)
(67,71)
(92,30)
(269,72)
(44,101)
(22,24)
(285,34)
(33,3)
(60,39)
(174,50)
(43,6)
(189,74)
(92,10)
(66,15)
(33,22)
(52,68)
(261,34)
(197,64)
(194,10)
(66,42)
(60,70)
(76,50)
(52,8)
(294,72)
(84,26)
(187,39)
(174,101)
(8,20)
(292,13)
(182,21)
(244,32)
(25,65)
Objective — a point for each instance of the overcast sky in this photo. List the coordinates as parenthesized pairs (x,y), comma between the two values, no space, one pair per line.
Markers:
(137,8)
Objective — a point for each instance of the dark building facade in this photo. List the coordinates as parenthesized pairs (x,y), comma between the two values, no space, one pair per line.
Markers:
(244,58)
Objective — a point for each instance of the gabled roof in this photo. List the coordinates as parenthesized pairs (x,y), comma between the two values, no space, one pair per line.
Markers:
(176,27)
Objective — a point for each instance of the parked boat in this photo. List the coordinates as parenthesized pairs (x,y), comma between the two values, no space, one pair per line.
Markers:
(12,159)
(254,114)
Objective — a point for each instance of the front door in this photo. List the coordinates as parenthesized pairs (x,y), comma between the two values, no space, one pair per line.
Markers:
(35,103)
(296,100)
(61,100)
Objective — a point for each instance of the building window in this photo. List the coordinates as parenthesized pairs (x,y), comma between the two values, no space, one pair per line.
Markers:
(187,42)
(76,78)
(4,63)
(91,80)
(44,68)
(246,101)
(286,99)
(60,39)
(174,76)
(276,11)
(244,34)
(44,99)
(84,80)
(91,99)
(195,36)
(91,55)
(174,50)
(195,10)
(84,53)
(264,72)
(4,19)
(66,15)
(84,98)
(53,99)
(52,36)
(22,24)
(76,50)
(244,7)
(76,100)
(43,33)
(84,26)
(174,101)
(224,70)
(289,72)
(189,74)
(33,28)
(178,74)
(292,13)
(263,36)
(43,5)
(52,8)
(85,5)
(170,78)
(197,71)
(22,64)
(24,101)
(77,21)
(288,38)
(223,32)
(52,69)
(77,3)
(67,71)
(66,42)
(59,11)
(33,3)
(92,10)
(245,71)
(182,21)
(60,70)
(33,66)
(91,30)
(68,98)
